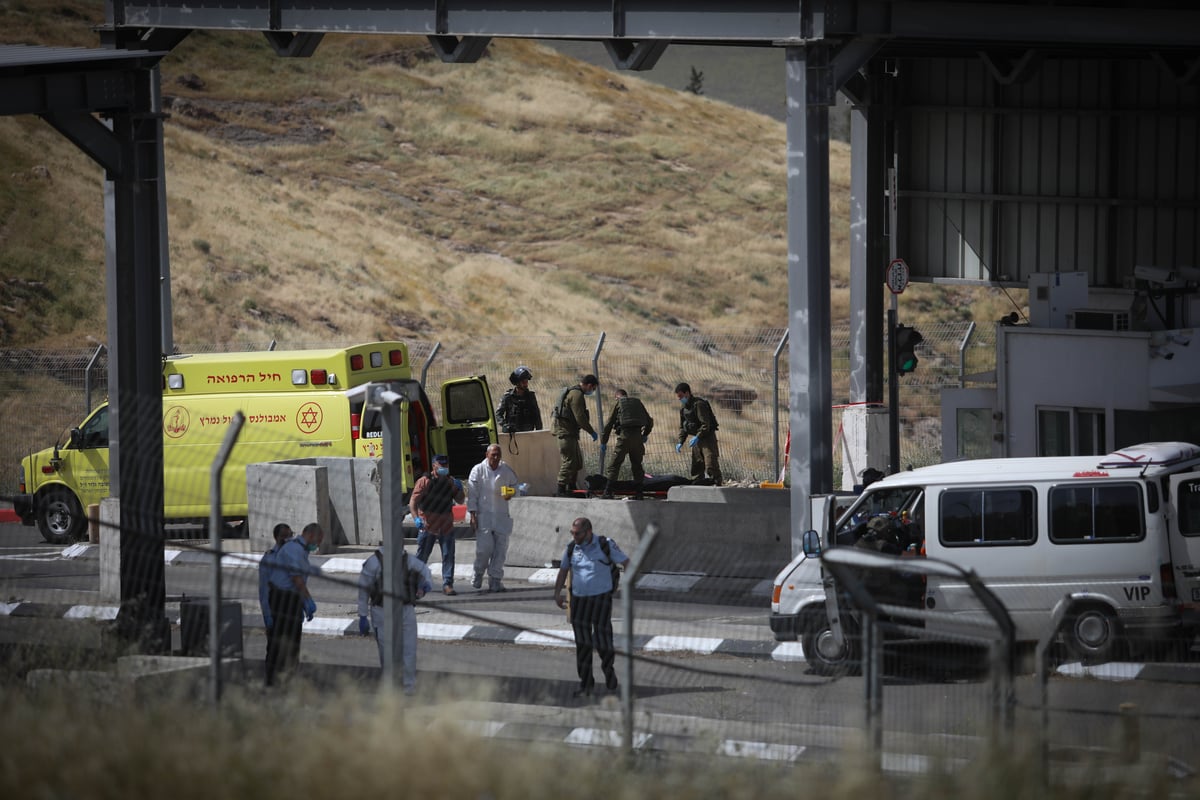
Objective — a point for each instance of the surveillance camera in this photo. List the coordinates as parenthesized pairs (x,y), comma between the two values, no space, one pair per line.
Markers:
(1154,274)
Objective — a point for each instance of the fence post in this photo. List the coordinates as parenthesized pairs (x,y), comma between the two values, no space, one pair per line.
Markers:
(599,406)
(962,355)
(87,379)
(215,527)
(631,571)
(428,361)
(779,349)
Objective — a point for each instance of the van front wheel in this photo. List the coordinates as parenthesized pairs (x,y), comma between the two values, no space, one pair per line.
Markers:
(60,517)
(821,650)
(1092,634)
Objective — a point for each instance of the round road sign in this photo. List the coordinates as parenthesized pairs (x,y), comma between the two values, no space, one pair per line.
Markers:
(897,275)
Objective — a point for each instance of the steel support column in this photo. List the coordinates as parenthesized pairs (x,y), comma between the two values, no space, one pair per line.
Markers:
(868,242)
(809,92)
(135,380)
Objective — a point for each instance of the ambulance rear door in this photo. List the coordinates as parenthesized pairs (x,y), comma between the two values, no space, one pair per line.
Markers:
(468,423)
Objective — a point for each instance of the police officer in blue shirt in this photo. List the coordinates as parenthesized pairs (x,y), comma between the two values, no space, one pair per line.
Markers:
(289,600)
(266,566)
(589,561)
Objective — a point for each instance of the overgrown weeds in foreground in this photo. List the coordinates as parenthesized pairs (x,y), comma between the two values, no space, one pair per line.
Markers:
(71,742)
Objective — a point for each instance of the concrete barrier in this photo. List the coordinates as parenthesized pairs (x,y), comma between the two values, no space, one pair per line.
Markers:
(729,532)
(730,539)
(295,493)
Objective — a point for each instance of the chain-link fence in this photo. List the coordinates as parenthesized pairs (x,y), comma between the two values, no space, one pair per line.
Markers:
(709,677)
(43,393)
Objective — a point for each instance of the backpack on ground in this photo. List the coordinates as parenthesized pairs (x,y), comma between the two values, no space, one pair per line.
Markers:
(612,566)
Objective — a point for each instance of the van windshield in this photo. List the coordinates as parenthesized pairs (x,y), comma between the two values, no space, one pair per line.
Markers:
(892,518)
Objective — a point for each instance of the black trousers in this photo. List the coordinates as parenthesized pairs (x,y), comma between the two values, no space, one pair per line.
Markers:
(283,640)
(591,618)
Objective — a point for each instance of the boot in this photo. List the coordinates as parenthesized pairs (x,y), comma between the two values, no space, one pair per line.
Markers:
(607,495)
(637,491)
(562,491)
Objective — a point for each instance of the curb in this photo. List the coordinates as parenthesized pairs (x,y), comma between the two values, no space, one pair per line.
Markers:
(448,632)
(664,645)
(667,582)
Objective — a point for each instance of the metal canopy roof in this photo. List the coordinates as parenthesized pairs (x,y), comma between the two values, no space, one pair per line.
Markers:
(23,59)
(918,24)
(44,80)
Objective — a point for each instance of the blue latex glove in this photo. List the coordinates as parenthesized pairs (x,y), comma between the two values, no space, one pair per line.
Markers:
(645,439)
(594,436)
(692,442)
(267,621)
(679,447)
(420,523)
(364,626)
(310,608)
(457,486)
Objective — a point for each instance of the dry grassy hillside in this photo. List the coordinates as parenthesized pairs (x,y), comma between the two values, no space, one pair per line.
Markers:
(372,191)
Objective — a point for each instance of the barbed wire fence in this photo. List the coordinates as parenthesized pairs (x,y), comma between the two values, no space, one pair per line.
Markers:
(44,393)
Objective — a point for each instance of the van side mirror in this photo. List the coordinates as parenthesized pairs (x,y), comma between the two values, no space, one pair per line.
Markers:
(810,543)
(76,438)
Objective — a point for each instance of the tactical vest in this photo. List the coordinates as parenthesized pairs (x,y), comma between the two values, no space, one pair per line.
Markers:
(516,412)
(691,416)
(632,416)
(563,416)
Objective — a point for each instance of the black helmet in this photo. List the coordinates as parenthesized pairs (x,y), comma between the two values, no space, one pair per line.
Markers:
(519,374)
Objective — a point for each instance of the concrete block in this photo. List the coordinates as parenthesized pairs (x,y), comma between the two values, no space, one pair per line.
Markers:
(730,540)
(354,510)
(291,492)
(734,495)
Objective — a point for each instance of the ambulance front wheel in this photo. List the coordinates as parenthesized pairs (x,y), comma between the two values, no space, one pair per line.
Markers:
(60,517)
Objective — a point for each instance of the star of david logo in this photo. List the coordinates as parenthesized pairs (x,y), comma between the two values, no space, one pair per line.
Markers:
(309,417)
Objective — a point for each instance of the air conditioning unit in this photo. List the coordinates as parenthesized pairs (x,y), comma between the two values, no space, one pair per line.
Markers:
(1099,319)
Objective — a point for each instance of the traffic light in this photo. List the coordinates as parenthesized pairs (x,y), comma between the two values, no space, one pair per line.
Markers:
(907,340)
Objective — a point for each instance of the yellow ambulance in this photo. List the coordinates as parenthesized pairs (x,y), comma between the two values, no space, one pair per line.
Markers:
(297,404)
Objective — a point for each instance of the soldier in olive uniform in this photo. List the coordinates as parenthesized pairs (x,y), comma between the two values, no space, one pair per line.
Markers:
(633,424)
(698,427)
(518,409)
(571,417)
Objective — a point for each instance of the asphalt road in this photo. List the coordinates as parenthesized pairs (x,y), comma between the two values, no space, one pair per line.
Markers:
(932,701)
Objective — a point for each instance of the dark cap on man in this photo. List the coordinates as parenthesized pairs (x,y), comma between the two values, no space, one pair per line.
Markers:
(441,459)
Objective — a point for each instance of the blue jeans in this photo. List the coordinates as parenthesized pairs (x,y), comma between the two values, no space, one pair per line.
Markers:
(425,542)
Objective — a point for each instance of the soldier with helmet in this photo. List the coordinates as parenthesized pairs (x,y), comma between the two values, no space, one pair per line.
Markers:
(518,409)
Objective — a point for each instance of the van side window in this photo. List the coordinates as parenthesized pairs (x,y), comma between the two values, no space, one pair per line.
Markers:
(465,403)
(1189,507)
(988,516)
(1097,512)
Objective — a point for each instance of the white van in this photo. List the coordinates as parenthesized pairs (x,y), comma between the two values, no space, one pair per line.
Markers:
(1117,537)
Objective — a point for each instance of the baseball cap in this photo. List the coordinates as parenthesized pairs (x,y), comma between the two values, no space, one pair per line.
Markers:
(441,459)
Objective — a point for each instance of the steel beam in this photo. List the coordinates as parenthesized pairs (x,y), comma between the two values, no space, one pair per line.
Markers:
(809,93)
